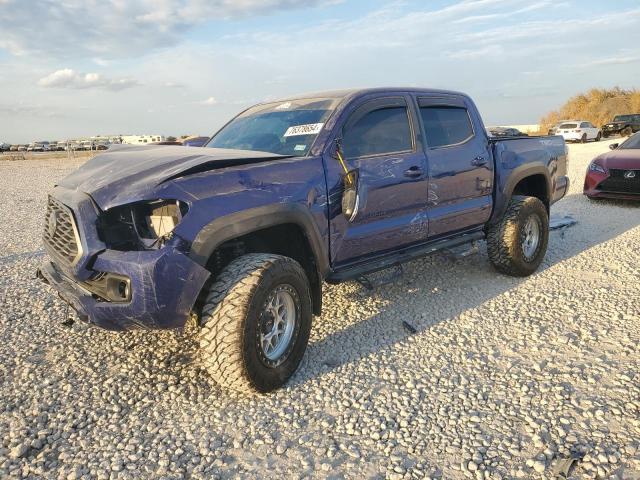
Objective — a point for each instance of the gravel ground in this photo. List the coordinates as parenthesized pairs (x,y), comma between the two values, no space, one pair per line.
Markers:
(503,378)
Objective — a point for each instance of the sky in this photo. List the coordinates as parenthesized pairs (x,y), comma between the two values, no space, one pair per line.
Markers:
(77,68)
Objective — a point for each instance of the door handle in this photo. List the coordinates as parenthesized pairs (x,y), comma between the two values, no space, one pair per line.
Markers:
(413,172)
(479,161)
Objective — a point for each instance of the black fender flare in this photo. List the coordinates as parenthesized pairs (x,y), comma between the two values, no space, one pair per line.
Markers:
(234,225)
(516,176)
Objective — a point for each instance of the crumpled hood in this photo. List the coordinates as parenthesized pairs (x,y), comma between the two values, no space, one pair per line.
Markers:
(132,172)
(624,159)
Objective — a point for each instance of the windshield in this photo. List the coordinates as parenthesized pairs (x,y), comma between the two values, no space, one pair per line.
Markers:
(623,118)
(632,142)
(283,128)
(569,125)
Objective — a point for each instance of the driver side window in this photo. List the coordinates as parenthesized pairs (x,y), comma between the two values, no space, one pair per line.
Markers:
(382,131)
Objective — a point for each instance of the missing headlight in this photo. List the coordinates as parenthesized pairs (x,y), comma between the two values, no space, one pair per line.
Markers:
(140,226)
(155,220)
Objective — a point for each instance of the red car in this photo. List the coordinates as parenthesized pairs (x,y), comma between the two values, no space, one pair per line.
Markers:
(615,174)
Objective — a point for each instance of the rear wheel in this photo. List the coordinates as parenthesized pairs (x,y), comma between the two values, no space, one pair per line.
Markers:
(517,244)
(255,323)
(598,137)
(584,138)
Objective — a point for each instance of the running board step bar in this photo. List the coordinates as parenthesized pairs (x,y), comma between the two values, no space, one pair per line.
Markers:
(402,256)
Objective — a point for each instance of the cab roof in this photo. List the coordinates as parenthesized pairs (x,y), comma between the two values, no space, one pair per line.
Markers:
(357,92)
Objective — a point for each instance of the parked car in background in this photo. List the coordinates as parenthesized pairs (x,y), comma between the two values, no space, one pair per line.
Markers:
(578,131)
(195,141)
(241,236)
(38,147)
(167,142)
(615,174)
(22,148)
(625,125)
(5,147)
(501,132)
(553,130)
(14,148)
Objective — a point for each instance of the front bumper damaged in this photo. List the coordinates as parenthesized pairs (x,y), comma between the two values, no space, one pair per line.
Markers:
(163,286)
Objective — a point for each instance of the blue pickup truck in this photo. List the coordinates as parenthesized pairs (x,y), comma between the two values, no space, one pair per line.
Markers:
(239,236)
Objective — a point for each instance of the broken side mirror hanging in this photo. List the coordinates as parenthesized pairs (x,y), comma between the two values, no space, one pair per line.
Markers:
(350,186)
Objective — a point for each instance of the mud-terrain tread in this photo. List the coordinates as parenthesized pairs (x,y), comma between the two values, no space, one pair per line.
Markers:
(222,318)
(500,238)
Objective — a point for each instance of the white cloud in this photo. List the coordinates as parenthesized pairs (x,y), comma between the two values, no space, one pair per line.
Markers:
(68,78)
(111,29)
(621,59)
(209,101)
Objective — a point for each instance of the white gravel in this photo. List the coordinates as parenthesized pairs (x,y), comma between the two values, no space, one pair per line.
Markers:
(503,378)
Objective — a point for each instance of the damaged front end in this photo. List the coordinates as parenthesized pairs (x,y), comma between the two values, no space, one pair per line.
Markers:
(124,268)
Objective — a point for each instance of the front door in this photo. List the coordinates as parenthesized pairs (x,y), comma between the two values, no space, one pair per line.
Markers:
(460,165)
(378,140)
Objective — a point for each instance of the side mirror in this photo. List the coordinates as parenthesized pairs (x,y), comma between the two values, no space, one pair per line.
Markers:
(613,146)
(350,195)
(349,184)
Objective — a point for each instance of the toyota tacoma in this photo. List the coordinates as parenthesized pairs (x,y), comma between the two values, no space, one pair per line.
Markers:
(240,235)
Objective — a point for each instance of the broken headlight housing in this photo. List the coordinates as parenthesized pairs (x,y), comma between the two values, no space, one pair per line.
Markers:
(141,226)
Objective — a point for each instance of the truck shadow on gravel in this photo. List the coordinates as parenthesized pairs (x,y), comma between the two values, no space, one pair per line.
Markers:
(438,288)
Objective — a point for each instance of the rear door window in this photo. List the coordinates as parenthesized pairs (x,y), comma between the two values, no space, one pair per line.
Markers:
(568,125)
(445,126)
(378,132)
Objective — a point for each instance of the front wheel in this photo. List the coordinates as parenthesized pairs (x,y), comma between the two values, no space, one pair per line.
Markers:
(255,323)
(584,138)
(627,132)
(517,244)
(598,137)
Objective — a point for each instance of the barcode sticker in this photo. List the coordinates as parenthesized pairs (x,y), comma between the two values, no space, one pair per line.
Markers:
(309,129)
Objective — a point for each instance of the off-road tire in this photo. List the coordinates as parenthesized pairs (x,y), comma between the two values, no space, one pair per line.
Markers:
(504,238)
(627,132)
(229,322)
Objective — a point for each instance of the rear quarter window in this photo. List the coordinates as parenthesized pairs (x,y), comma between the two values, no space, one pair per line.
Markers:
(446,126)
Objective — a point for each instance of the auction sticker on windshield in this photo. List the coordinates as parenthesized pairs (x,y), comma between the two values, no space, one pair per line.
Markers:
(308,129)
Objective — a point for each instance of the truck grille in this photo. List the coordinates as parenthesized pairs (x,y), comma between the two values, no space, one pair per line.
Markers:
(618,183)
(60,232)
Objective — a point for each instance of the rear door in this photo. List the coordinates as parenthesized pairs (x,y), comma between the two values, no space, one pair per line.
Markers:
(378,140)
(589,129)
(460,164)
